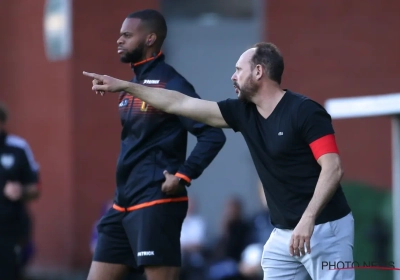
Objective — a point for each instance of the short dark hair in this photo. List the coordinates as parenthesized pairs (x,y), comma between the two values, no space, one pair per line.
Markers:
(269,56)
(154,22)
(3,113)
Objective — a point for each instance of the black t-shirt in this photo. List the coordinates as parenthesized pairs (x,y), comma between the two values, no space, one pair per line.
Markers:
(279,146)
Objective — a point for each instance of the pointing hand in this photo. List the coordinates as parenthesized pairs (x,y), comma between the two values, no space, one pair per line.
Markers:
(104,83)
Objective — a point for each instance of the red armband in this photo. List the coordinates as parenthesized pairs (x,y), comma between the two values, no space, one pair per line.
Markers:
(324,145)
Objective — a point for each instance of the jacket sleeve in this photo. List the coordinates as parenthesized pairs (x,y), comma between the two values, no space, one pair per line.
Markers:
(30,169)
(210,140)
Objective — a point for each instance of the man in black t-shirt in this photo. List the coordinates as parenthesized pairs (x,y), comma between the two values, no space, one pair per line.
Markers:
(292,143)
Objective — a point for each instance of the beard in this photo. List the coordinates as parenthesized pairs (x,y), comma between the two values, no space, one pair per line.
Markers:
(248,90)
(134,56)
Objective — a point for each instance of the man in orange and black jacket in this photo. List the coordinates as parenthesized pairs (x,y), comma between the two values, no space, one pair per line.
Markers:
(142,229)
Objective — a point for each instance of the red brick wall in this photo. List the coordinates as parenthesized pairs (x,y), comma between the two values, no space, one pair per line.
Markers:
(73,133)
(338,48)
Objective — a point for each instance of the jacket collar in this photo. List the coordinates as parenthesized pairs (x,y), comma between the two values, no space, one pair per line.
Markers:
(141,68)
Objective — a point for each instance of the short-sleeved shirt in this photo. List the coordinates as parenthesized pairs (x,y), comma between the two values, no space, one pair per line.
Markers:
(280,148)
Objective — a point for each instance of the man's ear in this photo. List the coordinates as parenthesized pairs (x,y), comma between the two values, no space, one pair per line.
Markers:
(151,39)
(259,71)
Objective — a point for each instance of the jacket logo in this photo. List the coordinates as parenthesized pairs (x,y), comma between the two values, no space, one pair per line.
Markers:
(145,253)
(151,82)
(7,161)
(123,103)
(144,107)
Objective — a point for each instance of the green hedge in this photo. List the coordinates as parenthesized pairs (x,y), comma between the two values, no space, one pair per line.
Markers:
(367,202)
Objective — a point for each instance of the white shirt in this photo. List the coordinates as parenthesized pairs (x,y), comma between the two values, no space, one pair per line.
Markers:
(193,231)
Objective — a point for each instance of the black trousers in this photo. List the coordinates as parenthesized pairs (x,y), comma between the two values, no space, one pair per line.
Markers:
(10,268)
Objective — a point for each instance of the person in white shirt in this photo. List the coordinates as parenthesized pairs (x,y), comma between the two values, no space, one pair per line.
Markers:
(192,243)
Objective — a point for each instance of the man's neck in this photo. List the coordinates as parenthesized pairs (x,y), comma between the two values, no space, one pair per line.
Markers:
(151,53)
(139,66)
(267,99)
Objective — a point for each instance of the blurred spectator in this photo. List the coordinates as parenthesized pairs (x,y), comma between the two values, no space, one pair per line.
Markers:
(19,177)
(250,265)
(261,226)
(231,244)
(260,230)
(192,244)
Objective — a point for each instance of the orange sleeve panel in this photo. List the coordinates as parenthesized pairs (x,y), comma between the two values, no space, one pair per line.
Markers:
(183,176)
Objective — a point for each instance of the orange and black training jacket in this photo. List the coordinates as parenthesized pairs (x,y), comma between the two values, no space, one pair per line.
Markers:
(153,141)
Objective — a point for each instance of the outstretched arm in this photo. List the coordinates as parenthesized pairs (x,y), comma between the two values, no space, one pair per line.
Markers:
(174,102)
(169,101)
(210,140)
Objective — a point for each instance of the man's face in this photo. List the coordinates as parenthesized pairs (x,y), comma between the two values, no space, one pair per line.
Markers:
(244,81)
(131,43)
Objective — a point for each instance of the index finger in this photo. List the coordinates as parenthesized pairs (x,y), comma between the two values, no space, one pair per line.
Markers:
(93,75)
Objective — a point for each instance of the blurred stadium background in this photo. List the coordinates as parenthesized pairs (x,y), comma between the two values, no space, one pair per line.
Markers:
(332,48)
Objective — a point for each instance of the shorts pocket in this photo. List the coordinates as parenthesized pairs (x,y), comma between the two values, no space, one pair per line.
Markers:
(333,227)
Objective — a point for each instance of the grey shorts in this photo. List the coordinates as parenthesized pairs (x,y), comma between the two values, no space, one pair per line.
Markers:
(331,244)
